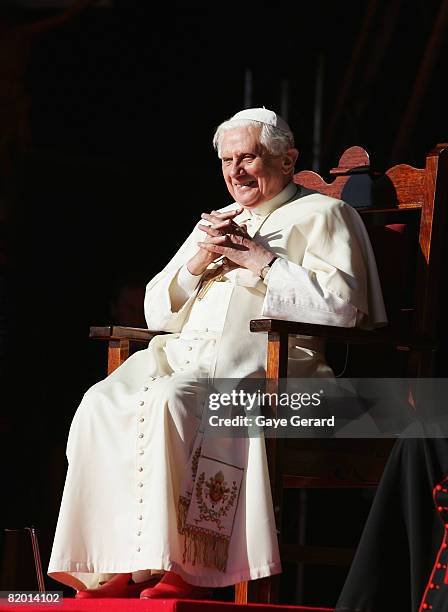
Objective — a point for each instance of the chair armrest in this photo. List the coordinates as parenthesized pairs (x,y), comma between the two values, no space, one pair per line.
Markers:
(121,341)
(351,335)
(118,332)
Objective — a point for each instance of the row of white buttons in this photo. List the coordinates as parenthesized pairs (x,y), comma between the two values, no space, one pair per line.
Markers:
(141,451)
(141,435)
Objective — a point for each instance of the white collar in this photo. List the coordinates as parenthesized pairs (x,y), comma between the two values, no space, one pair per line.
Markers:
(265,208)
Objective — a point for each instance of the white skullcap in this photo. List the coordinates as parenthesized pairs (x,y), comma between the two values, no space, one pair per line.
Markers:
(263,115)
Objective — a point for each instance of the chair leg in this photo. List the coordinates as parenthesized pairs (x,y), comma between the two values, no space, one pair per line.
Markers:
(117,354)
(241,589)
(264,590)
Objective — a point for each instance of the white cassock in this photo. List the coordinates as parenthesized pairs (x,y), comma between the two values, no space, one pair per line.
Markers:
(133,433)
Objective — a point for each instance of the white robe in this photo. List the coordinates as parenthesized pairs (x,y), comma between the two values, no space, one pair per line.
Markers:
(133,432)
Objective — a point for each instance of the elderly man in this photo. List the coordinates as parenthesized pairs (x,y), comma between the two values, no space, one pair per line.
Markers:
(136,495)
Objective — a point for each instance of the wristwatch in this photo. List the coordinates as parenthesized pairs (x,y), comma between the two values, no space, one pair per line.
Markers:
(265,269)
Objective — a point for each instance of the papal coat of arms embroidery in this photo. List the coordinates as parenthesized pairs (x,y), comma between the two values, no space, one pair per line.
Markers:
(214,498)
(207,508)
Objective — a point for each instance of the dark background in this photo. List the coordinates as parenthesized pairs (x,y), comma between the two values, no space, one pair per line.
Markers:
(122,102)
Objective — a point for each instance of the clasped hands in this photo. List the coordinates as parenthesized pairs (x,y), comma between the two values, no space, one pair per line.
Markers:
(225,237)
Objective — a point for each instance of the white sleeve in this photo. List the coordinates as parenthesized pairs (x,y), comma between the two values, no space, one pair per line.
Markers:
(170,294)
(295,294)
(182,287)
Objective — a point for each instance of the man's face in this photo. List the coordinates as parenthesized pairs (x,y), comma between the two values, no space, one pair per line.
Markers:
(253,175)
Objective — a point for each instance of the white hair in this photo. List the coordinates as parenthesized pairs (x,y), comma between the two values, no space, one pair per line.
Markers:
(275,140)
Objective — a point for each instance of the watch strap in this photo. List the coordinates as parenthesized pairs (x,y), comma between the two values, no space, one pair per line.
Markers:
(265,269)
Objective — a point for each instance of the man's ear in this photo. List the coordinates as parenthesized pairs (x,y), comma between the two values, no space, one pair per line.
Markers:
(289,160)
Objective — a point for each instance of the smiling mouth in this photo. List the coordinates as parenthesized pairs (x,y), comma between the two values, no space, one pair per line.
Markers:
(245,186)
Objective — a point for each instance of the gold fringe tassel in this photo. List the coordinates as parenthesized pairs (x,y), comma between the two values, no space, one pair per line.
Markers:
(206,548)
(201,547)
(182,509)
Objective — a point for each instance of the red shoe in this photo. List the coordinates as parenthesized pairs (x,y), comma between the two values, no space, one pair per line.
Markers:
(172,586)
(119,587)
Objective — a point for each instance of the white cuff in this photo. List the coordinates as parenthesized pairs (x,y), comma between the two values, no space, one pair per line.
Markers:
(187,281)
(182,287)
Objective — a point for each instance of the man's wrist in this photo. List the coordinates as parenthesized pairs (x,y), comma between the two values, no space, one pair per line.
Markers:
(266,268)
(194,268)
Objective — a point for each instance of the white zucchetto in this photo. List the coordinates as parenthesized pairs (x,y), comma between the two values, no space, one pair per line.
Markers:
(263,115)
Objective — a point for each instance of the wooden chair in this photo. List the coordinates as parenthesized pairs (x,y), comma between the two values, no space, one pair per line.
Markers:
(404,209)
(407,208)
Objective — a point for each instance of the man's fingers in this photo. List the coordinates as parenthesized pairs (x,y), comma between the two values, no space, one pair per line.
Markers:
(225,224)
(225,241)
(217,217)
(215,240)
(212,248)
(227,214)
(211,231)
(224,227)
(212,218)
